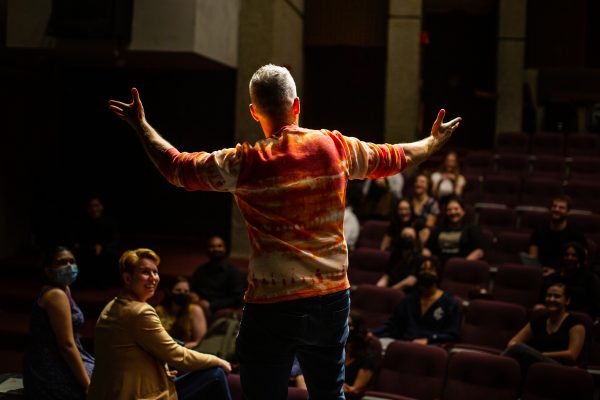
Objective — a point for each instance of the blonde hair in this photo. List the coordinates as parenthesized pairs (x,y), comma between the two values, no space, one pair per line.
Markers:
(130,258)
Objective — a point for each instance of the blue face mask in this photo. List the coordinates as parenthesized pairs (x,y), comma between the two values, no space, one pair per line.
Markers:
(66,275)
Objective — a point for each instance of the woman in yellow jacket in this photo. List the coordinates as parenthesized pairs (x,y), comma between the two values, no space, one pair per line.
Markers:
(133,349)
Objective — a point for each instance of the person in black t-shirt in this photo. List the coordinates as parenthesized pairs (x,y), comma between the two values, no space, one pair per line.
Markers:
(456,238)
(554,336)
(217,283)
(546,244)
(361,359)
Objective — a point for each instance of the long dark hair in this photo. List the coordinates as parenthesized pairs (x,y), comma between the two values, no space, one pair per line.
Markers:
(358,340)
(180,328)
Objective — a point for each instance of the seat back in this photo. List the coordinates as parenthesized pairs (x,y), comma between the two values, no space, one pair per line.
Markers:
(462,276)
(477,376)
(412,370)
(545,381)
(519,284)
(492,323)
(371,234)
(376,304)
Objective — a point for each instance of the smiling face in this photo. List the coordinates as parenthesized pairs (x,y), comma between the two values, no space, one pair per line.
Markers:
(421,184)
(450,162)
(454,212)
(404,211)
(559,211)
(142,283)
(556,300)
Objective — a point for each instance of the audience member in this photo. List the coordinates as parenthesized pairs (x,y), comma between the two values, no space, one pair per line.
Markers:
(405,259)
(425,208)
(218,283)
(379,195)
(546,244)
(404,217)
(96,246)
(448,180)
(56,364)
(428,315)
(132,347)
(361,360)
(455,237)
(554,336)
(351,227)
(183,320)
(582,284)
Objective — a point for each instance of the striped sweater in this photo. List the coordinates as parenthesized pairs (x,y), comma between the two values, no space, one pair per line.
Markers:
(291,190)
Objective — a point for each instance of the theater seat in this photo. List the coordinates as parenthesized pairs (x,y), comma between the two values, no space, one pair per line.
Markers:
(546,381)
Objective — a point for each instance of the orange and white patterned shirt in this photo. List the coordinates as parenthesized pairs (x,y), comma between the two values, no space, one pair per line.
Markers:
(291,190)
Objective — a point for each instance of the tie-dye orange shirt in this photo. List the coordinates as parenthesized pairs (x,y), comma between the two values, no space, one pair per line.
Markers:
(291,190)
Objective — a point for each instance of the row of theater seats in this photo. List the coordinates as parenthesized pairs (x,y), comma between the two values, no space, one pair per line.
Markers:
(511,189)
(484,163)
(410,371)
(506,229)
(554,143)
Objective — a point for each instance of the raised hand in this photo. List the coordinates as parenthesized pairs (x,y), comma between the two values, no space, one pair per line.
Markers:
(442,131)
(132,113)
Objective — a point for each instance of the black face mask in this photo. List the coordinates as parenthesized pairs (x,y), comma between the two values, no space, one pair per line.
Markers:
(181,299)
(426,279)
(406,243)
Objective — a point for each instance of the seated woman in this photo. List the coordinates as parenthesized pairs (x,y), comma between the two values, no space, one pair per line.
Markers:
(447,180)
(455,237)
(404,217)
(183,320)
(361,362)
(425,207)
(56,364)
(404,262)
(133,349)
(554,336)
(582,284)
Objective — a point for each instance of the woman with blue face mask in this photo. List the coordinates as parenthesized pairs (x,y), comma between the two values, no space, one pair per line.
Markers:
(56,364)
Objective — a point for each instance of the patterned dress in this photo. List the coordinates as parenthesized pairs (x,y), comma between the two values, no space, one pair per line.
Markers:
(46,374)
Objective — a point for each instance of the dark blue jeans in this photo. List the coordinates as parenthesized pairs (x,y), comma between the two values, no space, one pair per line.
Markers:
(203,384)
(314,330)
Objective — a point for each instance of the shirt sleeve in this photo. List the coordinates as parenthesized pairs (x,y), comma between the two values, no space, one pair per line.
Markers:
(217,171)
(372,161)
(152,337)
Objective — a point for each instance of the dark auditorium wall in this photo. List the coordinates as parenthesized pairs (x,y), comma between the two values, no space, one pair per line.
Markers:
(64,145)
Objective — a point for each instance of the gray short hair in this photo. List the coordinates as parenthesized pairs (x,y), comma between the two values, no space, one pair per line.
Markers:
(272,90)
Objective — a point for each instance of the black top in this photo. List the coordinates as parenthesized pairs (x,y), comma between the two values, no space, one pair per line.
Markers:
(550,243)
(447,242)
(220,283)
(441,323)
(400,268)
(365,361)
(557,341)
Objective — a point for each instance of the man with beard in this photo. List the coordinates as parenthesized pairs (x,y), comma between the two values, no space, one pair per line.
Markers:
(428,315)
(217,283)
(546,244)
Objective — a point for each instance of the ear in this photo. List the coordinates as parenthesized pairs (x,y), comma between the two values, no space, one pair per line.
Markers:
(296,106)
(126,278)
(253,112)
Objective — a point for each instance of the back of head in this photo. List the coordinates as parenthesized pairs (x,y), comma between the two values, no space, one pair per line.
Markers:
(272,90)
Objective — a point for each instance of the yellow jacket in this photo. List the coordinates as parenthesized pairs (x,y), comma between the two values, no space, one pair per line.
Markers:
(132,348)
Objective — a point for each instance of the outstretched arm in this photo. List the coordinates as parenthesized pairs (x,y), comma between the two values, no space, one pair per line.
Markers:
(133,113)
(419,151)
